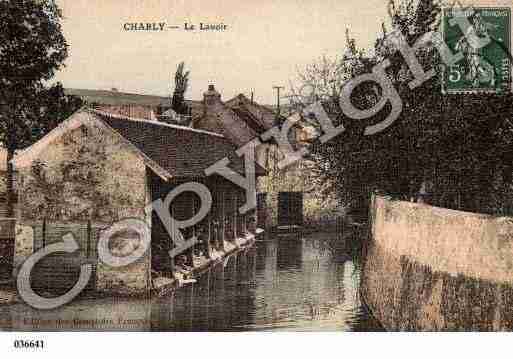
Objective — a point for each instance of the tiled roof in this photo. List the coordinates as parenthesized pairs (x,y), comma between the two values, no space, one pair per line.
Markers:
(238,119)
(262,115)
(248,117)
(182,151)
(224,120)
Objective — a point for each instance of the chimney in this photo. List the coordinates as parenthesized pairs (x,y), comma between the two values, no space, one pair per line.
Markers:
(210,98)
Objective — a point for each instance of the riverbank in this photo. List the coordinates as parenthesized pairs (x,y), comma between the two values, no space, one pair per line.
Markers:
(434,269)
(163,285)
(308,283)
(122,286)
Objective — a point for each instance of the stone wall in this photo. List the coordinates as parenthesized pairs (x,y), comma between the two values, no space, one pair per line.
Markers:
(298,177)
(24,245)
(87,174)
(429,268)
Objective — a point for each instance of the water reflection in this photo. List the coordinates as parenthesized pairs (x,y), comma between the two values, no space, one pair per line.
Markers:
(298,283)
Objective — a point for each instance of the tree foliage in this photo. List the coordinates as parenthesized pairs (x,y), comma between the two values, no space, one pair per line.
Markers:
(32,49)
(181,85)
(454,147)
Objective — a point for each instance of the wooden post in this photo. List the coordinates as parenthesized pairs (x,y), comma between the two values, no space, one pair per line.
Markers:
(234,274)
(244,219)
(207,298)
(235,216)
(44,232)
(222,223)
(227,214)
(209,236)
(88,254)
(190,251)
(215,232)
(171,260)
(190,256)
(238,216)
(214,217)
(191,306)
(192,214)
(253,262)
(172,267)
(209,232)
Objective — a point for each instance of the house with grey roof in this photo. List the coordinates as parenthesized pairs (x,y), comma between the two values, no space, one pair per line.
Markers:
(239,119)
(286,195)
(101,167)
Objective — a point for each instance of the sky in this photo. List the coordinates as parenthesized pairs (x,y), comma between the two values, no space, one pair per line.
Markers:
(264,45)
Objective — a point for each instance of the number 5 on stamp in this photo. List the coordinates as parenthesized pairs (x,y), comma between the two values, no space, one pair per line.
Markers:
(483,36)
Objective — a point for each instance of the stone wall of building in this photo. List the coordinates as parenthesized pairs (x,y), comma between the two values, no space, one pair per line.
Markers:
(429,268)
(298,177)
(23,246)
(87,174)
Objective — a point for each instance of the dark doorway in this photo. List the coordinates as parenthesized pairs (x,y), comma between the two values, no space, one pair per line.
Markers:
(262,209)
(290,209)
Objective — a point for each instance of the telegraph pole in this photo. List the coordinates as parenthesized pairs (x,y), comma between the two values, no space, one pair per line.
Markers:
(278,89)
(278,110)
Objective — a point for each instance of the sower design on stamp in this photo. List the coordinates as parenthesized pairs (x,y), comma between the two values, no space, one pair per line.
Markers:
(483,36)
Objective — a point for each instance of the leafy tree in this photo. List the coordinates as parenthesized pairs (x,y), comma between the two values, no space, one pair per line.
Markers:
(181,85)
(456,145)
(51,107)
(32,49)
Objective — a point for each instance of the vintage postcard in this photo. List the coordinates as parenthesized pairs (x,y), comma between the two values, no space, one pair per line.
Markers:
(243,166)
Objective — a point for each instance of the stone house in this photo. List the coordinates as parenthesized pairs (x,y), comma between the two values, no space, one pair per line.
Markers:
(241,119)
(102,167)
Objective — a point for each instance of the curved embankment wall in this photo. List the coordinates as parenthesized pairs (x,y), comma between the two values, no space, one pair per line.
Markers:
(429,268)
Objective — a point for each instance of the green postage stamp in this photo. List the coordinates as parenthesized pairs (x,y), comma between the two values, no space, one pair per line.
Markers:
(486,49)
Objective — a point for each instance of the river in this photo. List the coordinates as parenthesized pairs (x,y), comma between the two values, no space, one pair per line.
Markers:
(296,282)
